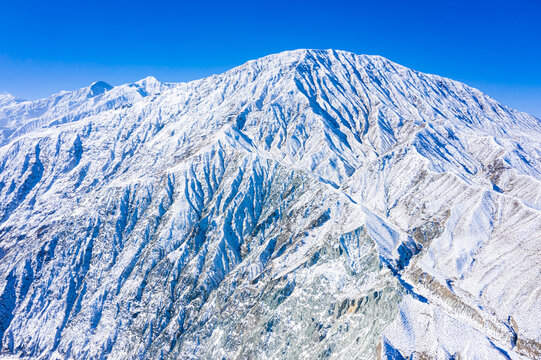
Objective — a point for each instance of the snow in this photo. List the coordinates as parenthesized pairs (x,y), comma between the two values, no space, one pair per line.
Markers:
(300,205)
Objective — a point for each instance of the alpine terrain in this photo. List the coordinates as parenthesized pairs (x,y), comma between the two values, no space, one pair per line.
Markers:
(306,205)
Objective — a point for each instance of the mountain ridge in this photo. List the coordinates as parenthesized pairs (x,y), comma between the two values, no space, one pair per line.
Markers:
(163,216)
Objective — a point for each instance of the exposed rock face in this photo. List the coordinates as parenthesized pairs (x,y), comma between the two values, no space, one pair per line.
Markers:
(309,204)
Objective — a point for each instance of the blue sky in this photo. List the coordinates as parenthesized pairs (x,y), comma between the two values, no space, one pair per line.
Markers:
(47,46)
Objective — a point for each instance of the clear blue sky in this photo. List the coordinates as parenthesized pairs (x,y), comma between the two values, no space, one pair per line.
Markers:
(47,46)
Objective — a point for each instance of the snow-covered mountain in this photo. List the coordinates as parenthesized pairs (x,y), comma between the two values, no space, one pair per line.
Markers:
(310,204)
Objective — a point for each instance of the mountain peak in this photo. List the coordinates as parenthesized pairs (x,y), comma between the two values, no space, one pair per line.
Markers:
(98,88)
(321,55)
(6,98)
(320,190)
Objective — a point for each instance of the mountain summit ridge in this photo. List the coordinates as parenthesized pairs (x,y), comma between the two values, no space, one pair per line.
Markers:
(281,209)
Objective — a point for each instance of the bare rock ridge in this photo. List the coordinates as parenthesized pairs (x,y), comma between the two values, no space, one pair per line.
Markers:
(309,204)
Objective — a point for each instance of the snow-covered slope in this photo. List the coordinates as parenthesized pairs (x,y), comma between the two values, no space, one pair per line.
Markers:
(308,204)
